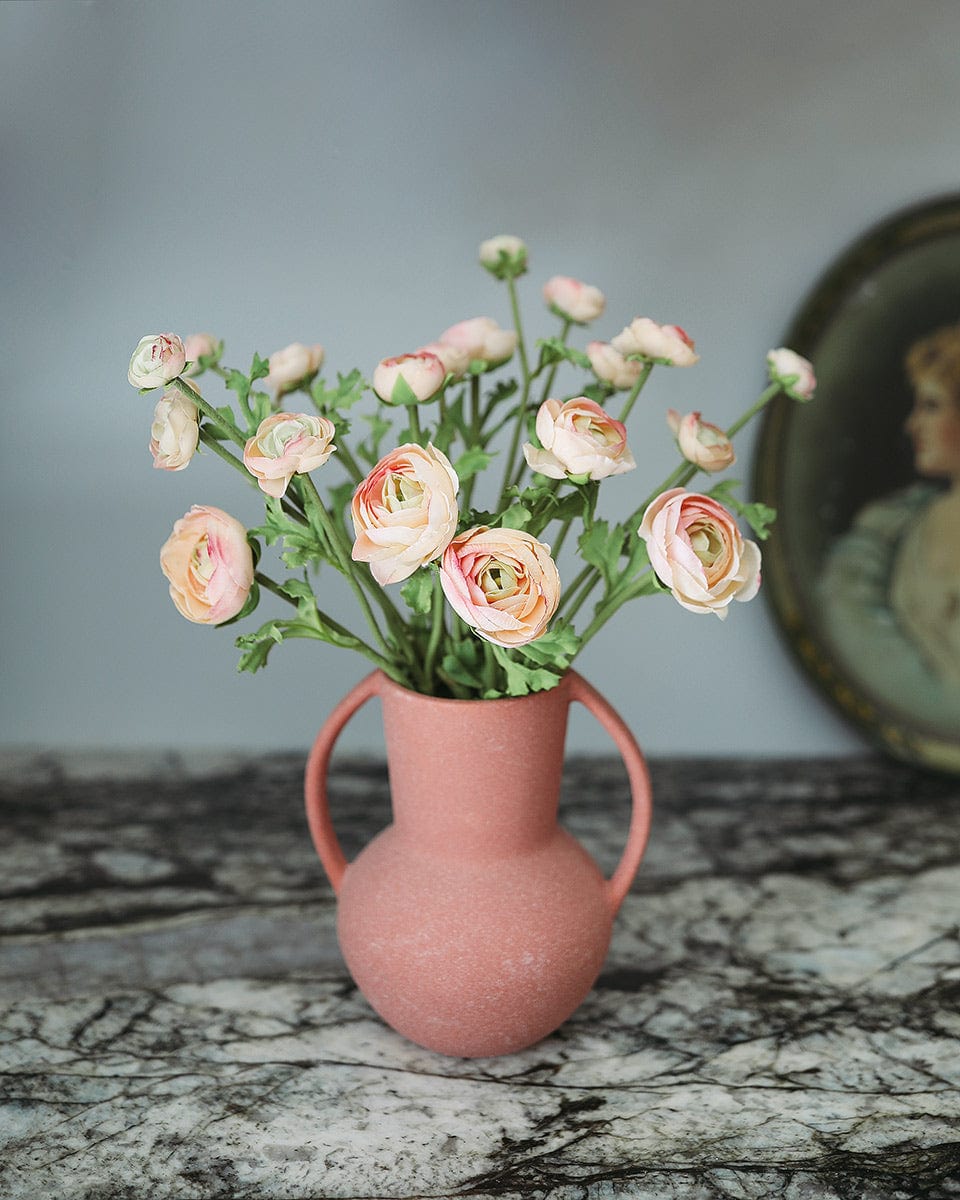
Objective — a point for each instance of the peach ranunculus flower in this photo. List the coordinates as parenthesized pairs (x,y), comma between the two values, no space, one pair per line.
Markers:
(668,343)
(504,256)
(423,373)
(287,444)
(209,563)
(158,358)
(794,373)
(697,550)
(194,346)
(291,366)
(175,432)
(703,444)
(482,339)
(610,366)
(578,438)
(405,512)
(502,583)
(580,302)
(454,359)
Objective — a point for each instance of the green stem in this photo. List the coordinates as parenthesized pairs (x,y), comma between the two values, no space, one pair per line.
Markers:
(560,538)
(635,392)
(436,631)
(765,397)
(228,427)
(350,463)
(415,425)
(553,369)
(476,428)
(211,442)
(604,611)
(522,409)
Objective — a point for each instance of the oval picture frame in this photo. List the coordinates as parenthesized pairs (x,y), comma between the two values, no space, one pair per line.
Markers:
(861,575)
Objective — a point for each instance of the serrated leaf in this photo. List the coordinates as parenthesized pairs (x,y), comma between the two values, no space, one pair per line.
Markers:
(557,647)
(417,591)
(260,368)
(601,547)
(257,646)
(522,678)
(517,516)
(759,516)
(261,406)
(556,350)
(471,462)
(369,450)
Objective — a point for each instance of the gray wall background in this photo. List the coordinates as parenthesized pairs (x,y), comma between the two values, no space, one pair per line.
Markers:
(324,172)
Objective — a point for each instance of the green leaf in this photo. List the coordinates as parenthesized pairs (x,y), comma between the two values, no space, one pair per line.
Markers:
(260,368)
(239,383)
(257,646)
(261,406)
(451,425)
(758,516)
(417,591)
(302,544)
(522,678)
(598,392)
(350,388)
(462,663)
(601,547)
(556,648)
(556,350)
(503,391)
(472,462)
(516,516)
(369,450)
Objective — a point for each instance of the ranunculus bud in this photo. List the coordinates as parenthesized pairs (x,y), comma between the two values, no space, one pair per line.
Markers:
(422,374)
(697,550)
(454,359)
(292,366)
(578,302)
(793,373)
(504,256)
(196,346)
(175,431)
(482,339)
(610,366)
(158,358)
(664,343)
(701,443)
(209,563)
(502,583)
(405,512)
(287,444)
(578,438)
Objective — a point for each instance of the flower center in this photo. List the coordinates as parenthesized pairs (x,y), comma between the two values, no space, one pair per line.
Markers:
(706,542)
(201,564)
(402,492)
(498,580)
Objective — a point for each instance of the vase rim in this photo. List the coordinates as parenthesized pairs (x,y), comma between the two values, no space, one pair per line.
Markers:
(388,685)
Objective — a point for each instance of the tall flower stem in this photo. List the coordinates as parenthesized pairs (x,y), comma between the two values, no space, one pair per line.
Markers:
(210,441)
(476,432)
(635,391)
(228,427)
(551,375)
(522,409)
(437,630)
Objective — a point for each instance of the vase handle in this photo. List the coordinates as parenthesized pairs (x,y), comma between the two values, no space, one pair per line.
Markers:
(619,883)
(315,780)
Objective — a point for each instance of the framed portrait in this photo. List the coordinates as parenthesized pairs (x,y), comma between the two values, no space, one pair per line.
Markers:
(863,568)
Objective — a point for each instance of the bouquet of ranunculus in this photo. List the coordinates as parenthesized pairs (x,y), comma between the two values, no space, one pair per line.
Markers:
(458,598)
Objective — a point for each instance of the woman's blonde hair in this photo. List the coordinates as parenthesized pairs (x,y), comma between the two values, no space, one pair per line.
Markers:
(936,358)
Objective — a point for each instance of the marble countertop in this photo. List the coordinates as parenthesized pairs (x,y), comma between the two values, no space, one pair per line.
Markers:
(778,1016)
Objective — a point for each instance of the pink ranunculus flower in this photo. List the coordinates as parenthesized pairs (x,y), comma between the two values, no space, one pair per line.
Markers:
(194,346)
(581,302)
(701,443)
(405,512)
(209,563)
(175,431)
(502,583)
(578,438)
(610,366)
(697,550)
(423,373)
(667,342)
(482,339)
(455,360)
(287,444)
(794,373)
(158,358)
(291,366)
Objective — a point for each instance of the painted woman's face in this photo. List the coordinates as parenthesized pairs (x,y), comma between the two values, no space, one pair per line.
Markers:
(934,428)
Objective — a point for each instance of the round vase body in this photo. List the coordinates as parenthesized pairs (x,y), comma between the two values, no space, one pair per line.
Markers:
(475,924)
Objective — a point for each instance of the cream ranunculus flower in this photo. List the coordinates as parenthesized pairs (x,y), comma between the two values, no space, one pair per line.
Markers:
(668,343)
(502,583)
(405,512)
(209,564)
(482,339)
(701,443)
(175,432)
(504,256)
(580,302)
(578,438)
(287,444)
(158,358)
(794,373)
(697,551)
(455,360)
(609,365)
(291,366)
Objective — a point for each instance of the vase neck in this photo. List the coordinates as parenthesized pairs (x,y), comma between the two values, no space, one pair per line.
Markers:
(471,777)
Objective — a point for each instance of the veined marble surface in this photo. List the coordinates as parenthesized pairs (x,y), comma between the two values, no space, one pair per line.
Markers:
(778,1016)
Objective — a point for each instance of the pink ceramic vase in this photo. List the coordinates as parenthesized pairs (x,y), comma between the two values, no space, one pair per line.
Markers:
(475,924)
